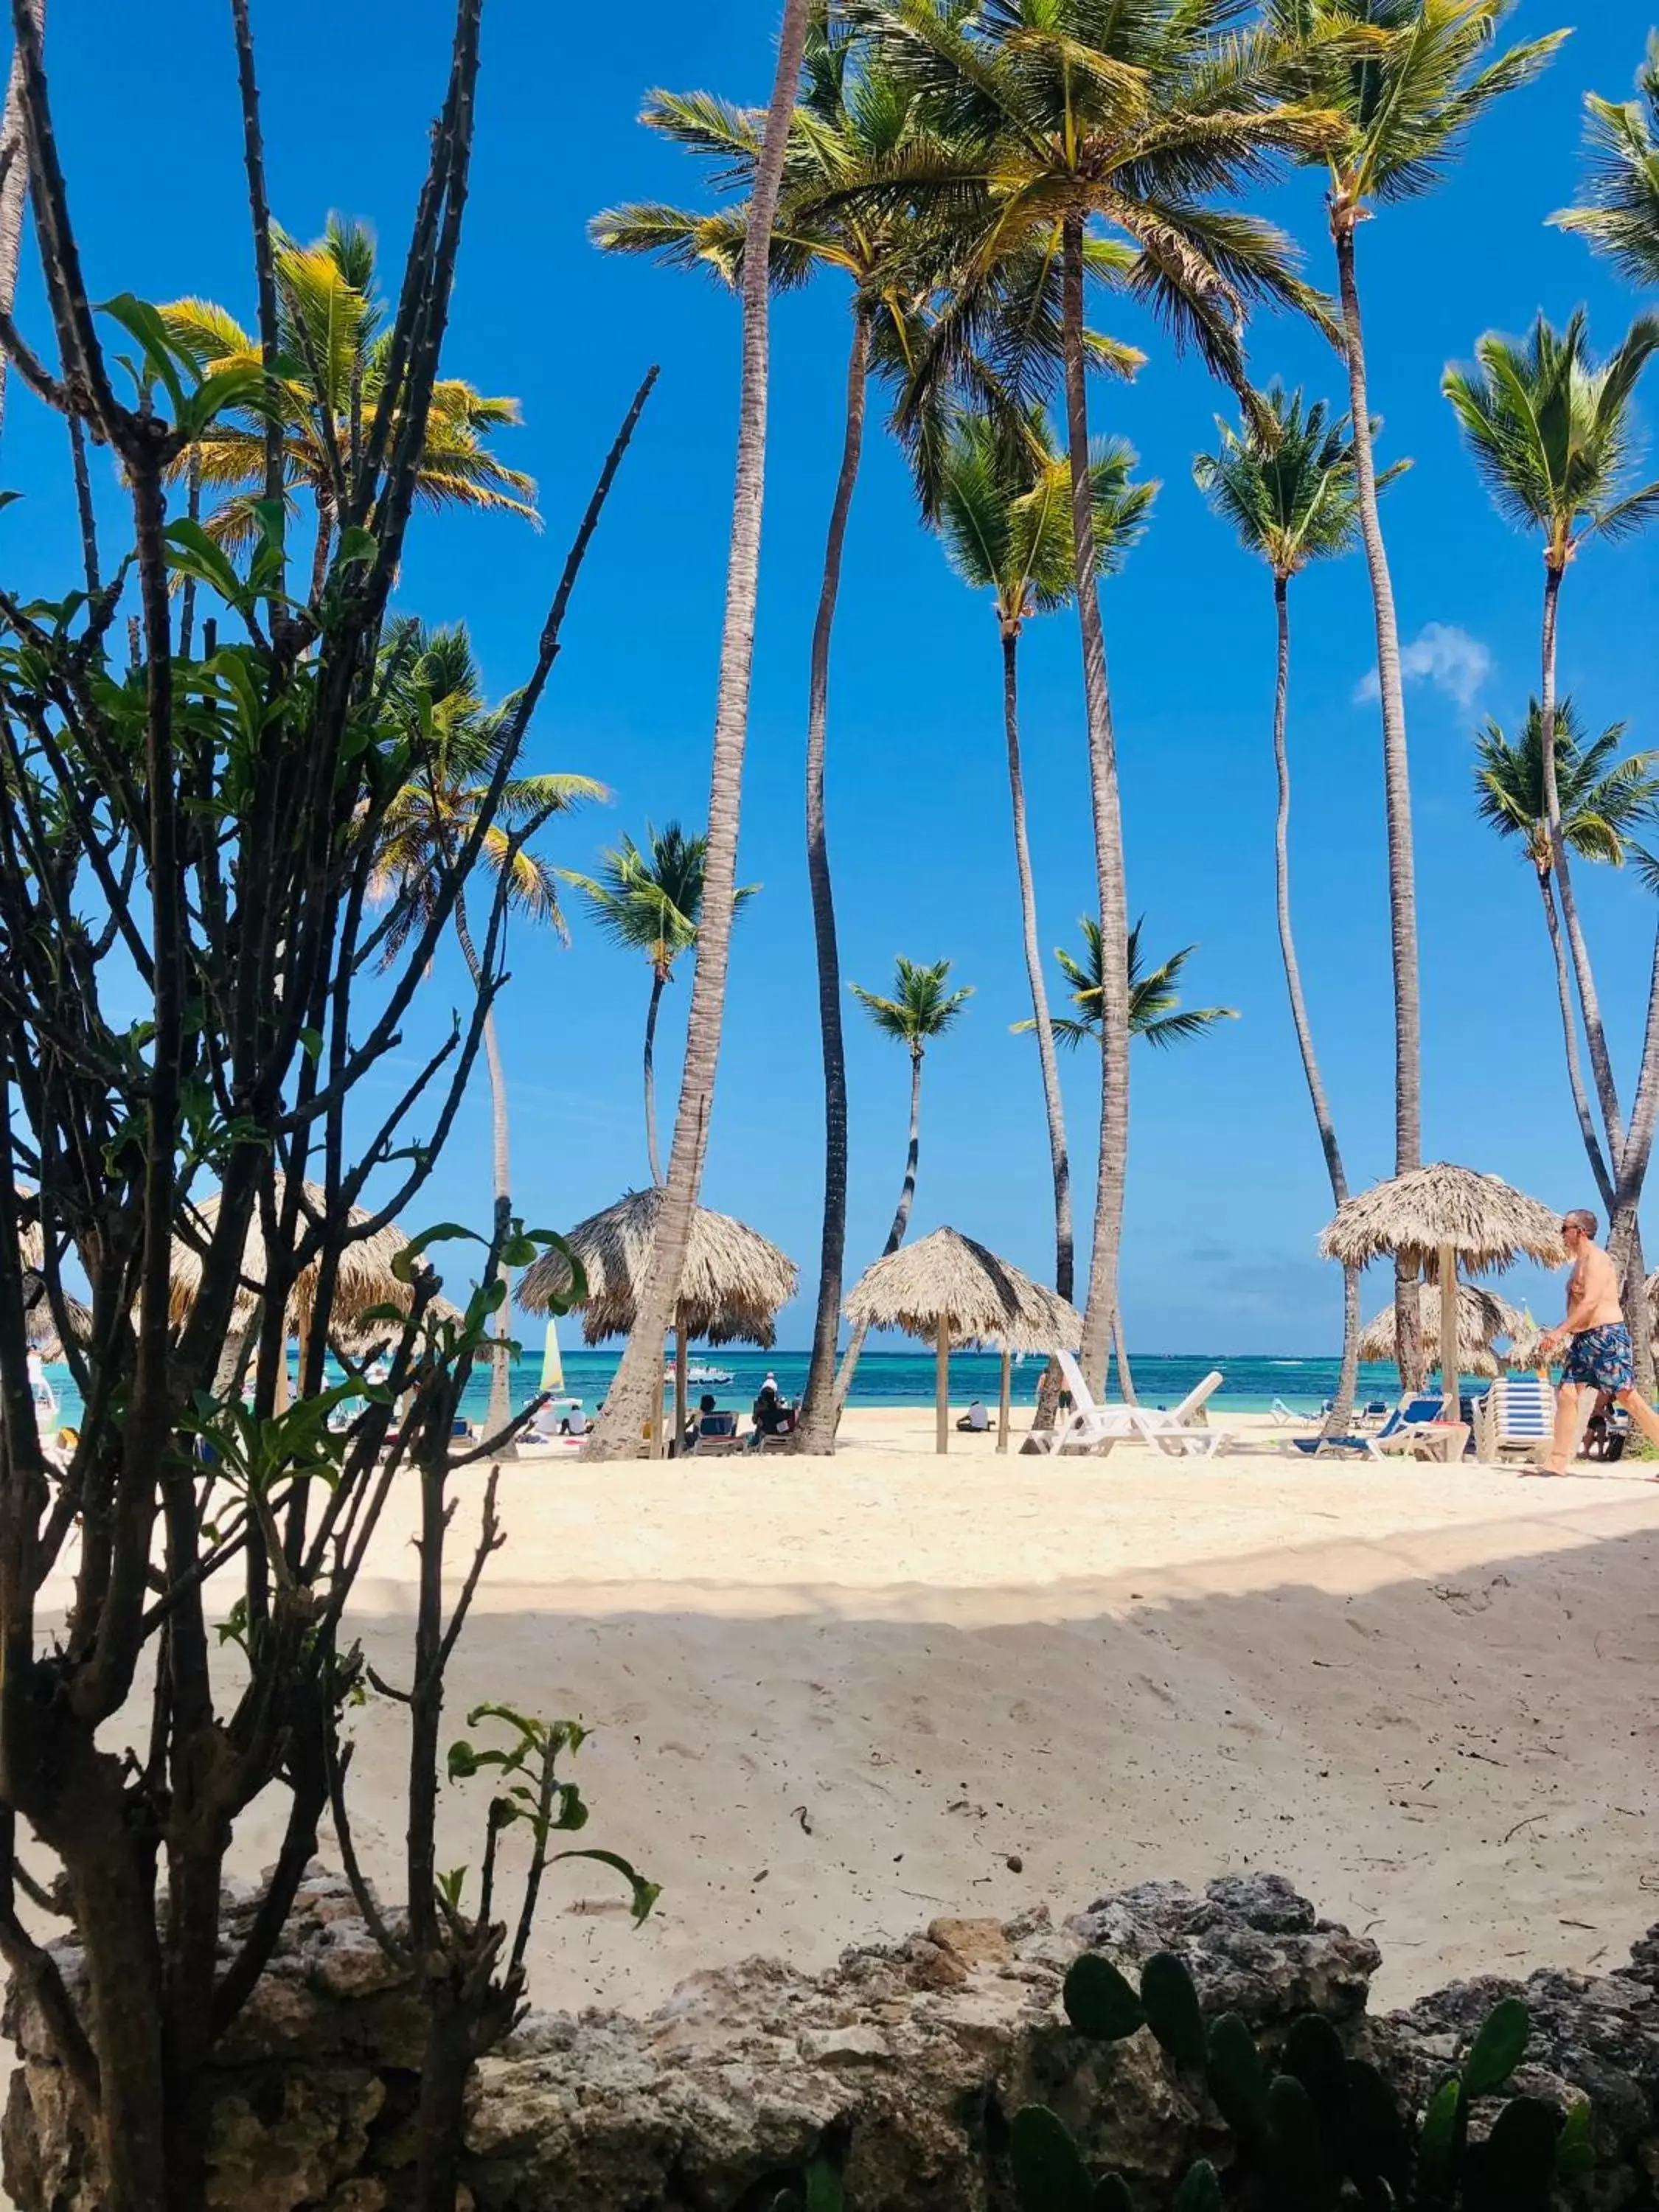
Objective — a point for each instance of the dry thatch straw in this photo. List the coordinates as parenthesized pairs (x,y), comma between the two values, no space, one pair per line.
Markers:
(1482,1318)
(948,1277)
(40,1327)
(1414,1216)
(364,1277)
(731,1289)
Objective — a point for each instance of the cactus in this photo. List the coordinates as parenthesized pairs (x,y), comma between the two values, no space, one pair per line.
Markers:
(1324,2132)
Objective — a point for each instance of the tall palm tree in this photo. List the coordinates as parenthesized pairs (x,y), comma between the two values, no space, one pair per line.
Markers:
(1155,1013)
(635,1392)
(1553,435)
(1407,94)
(1619,213)
(1139,118)
(1291,494)
(1003,513)
(919,1009)
(331,328)
(435,695)
(1600,799)
(649,899)
(854,118)
(14,189)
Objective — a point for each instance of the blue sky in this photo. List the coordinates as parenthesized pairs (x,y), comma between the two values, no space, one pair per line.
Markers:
(1227,1189)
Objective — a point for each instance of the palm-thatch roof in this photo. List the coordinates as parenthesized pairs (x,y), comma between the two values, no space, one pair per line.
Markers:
(730,1288)
(1482,1318)
(947,1278)
(30,1242)
(39,1326)
(1487,1223)
(363,1278)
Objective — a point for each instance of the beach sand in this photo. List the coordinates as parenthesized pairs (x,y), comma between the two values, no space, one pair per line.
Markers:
(833,1699)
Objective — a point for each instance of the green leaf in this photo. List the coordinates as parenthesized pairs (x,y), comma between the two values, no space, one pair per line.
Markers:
(1171,2007)
(1201,2190)
(1112,2195)
(1441,2132)
(356,546)
(1298,2147)
(194,553)
(240,385)
(1498,2048)
(143,322)
(7,497)
(1049,2175)
(311,1040)
(447,1232)
(645,1893)
(1237,2079)
(1379,2143)
(823,2190)
(1514,2169)
(1575,2147)
(462,1762)
(1314,2054)
(1100,2002)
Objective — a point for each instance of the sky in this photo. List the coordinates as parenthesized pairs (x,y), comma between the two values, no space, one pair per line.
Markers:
(1227,1188)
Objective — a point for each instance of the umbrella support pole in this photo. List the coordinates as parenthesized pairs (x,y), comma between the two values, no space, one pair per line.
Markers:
(942,1382)
(1448,1391)
(1003,1400)
(679,1383)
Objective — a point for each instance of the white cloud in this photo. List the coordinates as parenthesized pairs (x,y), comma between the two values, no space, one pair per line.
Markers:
(1442,654)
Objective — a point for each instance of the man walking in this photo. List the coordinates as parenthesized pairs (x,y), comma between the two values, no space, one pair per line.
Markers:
(1597,1339)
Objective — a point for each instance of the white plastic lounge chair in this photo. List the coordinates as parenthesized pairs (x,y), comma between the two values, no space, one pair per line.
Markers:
(1185,1428)
(1087,1427)
(1518,1414)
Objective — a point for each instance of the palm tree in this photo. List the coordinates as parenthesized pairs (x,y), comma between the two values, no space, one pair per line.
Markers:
(1621,213)
(1291,495)
(1408,78)
(1552,435)
(329,327)
(635,1392)
(854,118)
(1601,800)
(1003,513)
(435,696)
(1155,1013)
(14,188)
(920,1009)
(649,899)
(1139,118)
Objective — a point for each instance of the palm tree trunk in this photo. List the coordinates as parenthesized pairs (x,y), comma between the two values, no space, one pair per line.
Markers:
(1628,1156)
(1625,1240)
(500,1372)
(14,190)
(817,1423)
(1581,1105)
(658,980)
(1053,1102)
(1396,777)
(639,1376)
(1109,840)
(894,1237)
(1126,1381)
(1341,1414)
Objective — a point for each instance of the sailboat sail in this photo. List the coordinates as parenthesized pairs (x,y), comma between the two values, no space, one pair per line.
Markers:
(552,1365)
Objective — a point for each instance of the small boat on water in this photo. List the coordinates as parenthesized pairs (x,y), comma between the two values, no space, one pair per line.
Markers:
(700,1372)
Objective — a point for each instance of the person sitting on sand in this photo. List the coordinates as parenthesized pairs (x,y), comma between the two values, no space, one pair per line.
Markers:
(772,1417)
(1599,1356)
(976,1417)
(575,1422)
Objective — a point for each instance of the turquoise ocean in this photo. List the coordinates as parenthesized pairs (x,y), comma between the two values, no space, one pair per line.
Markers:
(1250,1382)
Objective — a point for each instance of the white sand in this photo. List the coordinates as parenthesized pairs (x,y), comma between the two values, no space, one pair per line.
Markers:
(833,1698)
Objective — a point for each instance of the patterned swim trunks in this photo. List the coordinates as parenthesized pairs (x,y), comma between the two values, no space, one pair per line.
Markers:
(1600,1358)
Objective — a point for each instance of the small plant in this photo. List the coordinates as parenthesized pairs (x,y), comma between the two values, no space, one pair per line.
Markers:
(1323,2130)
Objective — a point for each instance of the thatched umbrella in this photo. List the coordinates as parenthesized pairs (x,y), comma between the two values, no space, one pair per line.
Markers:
(732,1286)
(363,1278)
(40,1327)
(949,1291)
(1482,1318)
(1435,1217)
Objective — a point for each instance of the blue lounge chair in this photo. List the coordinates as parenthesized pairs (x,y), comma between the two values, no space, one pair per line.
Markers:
(1394,1434)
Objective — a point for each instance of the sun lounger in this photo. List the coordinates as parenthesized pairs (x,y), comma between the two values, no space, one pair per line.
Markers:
(1414,1426)
(1091,1427)
(1516,1415)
